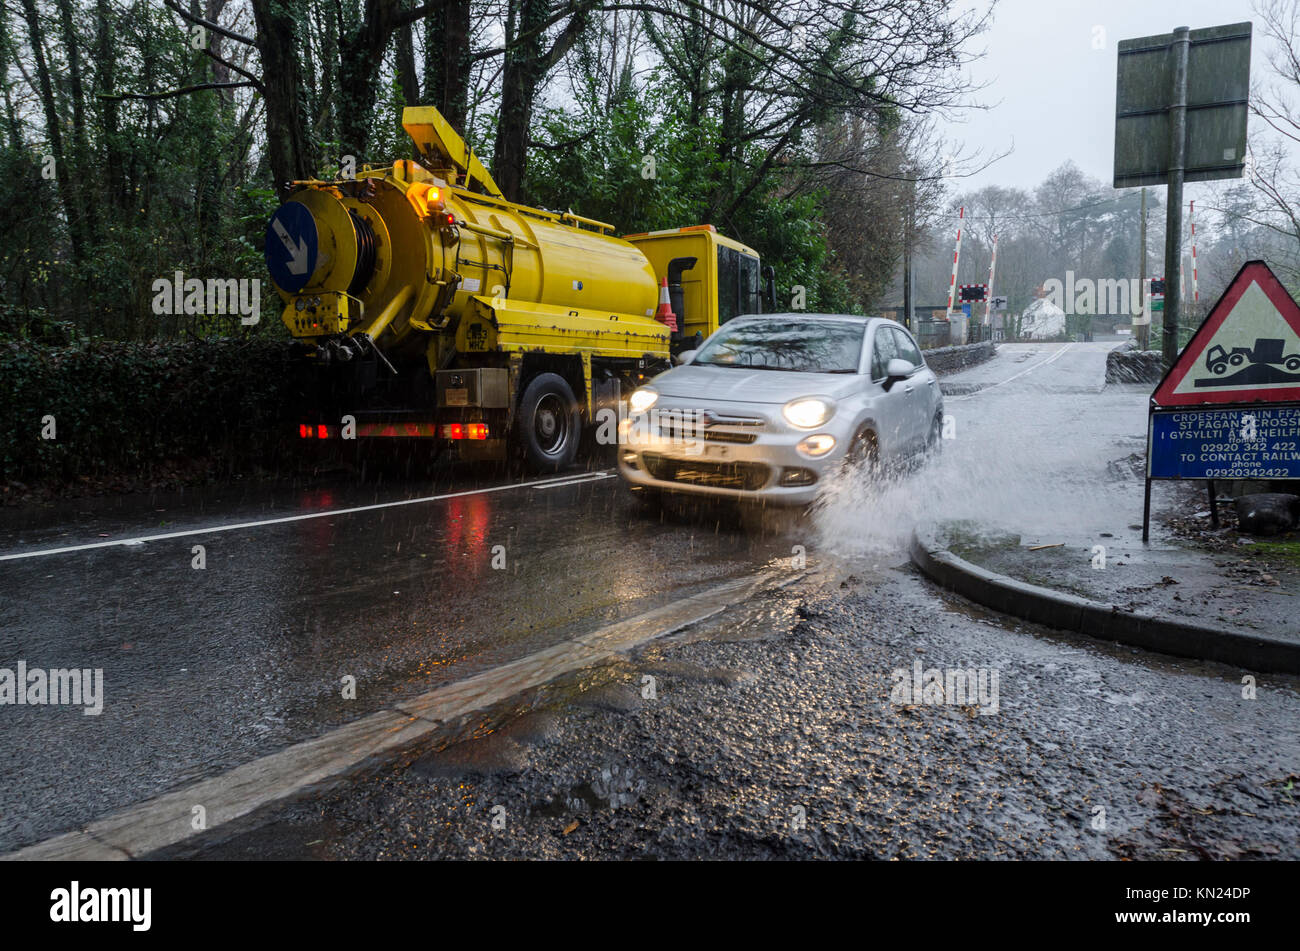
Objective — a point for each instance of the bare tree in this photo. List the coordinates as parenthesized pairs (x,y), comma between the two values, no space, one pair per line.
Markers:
(1272,165)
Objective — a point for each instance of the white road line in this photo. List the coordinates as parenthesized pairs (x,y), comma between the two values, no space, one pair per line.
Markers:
(993,386)
(554,483)
(578,480)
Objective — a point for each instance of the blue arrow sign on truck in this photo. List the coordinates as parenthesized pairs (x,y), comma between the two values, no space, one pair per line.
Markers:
(291,246)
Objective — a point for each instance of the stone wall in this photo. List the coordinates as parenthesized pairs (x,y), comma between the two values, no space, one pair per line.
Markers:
(1127,365)
(951,359)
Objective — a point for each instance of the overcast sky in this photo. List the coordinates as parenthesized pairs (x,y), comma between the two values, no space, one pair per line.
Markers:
(1053,94)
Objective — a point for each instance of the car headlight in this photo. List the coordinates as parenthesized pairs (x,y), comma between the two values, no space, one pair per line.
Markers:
(808,412)
(642,399)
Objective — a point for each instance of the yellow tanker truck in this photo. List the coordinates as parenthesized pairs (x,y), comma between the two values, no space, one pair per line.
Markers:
(427,306)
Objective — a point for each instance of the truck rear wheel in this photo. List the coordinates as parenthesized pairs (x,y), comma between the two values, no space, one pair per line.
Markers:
(548,426)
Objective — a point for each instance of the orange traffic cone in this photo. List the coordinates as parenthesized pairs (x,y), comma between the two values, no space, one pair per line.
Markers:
(665,313)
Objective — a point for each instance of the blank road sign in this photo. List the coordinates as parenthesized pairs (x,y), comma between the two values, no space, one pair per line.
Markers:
(1218,85)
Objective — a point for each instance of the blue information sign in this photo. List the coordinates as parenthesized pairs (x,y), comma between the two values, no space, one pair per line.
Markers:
(291,246)
(1243,442)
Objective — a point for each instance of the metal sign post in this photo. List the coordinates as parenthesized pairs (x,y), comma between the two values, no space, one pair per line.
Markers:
(1174,199)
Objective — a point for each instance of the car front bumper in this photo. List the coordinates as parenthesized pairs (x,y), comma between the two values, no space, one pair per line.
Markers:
(770,469)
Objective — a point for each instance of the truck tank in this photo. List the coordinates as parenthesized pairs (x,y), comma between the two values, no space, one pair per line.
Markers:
(400,258)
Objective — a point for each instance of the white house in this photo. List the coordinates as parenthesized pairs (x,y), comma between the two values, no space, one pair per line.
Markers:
(1042,320)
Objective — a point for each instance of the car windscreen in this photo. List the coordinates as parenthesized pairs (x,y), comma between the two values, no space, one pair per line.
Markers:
(809,346)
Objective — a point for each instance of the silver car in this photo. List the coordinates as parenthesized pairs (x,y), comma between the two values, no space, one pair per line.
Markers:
(771,405)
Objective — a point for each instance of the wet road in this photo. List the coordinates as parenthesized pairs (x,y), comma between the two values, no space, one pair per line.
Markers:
(773,732)
(208,669)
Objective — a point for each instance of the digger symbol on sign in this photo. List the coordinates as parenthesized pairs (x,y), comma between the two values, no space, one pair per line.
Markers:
(1262,363)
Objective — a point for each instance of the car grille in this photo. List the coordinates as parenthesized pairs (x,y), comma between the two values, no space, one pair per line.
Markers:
(748,476)
(697,424)
(689,431)
(713,435)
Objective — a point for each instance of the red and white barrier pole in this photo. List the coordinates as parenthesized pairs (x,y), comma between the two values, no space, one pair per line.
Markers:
(956,256)
(988,294)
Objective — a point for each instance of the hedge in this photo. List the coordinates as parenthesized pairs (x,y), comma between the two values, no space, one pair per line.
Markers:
(123,407)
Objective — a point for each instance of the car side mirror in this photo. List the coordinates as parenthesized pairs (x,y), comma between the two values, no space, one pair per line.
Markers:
(685,357)
(895,370)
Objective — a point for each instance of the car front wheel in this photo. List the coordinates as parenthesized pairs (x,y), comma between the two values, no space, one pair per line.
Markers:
(934,441)
(864,454)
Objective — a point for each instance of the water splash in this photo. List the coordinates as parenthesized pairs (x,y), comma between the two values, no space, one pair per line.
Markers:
(1026,467)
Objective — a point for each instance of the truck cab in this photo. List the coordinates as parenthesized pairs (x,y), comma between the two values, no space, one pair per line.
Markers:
(711,278)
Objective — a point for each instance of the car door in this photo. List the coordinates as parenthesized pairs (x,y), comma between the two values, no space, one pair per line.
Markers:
(921,389)
(891,406)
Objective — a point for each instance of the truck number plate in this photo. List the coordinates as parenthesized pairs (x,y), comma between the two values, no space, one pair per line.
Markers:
(456,397)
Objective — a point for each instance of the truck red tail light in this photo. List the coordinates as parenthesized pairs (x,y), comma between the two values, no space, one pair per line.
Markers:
(304,431)
(322,432)
(465,431)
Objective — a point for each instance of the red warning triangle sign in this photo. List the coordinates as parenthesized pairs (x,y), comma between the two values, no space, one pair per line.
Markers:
(1247,350)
